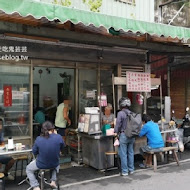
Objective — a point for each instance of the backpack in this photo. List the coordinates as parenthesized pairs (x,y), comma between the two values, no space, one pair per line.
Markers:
(133,124)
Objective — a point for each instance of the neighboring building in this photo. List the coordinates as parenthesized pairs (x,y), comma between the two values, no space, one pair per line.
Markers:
(175,13)
(132,9)
(175,68)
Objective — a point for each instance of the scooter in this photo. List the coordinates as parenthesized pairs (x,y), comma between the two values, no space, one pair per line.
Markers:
(186,127)
(177,135)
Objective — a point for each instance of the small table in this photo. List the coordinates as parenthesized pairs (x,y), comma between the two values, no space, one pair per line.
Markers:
(27,149)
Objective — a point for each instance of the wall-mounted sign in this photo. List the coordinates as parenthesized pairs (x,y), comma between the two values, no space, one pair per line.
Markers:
(127,1)
(138,82)
(17,95)
(91,94)
(7,96)
(102,100)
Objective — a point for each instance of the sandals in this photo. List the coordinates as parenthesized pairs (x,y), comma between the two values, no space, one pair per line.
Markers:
(53,186)
(143,166)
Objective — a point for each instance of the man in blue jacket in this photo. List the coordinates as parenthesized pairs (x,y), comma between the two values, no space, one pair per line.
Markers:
(47,147)
(155,141)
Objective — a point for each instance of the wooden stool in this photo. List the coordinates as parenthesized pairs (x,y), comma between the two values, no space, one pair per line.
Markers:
(171,143)
(165,149)
(110,153)
(2,182)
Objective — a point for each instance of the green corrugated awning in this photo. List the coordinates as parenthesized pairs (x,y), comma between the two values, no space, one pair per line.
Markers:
(50,11)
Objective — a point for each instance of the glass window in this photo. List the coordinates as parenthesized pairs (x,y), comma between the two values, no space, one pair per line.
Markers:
(87,89)
(14,100)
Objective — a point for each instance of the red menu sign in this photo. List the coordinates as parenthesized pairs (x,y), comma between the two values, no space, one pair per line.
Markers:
(7,96)
(138,82)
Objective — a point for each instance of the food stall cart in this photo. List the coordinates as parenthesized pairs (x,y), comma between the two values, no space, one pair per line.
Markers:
(94,148)
(94,144)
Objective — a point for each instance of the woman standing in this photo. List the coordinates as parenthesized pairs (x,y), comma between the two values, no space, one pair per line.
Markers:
(107,119)
(108,116)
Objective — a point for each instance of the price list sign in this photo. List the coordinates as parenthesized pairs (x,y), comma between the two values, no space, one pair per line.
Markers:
(138,82)
(7,96)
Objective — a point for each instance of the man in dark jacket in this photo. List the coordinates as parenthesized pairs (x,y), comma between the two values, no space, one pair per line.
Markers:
(126,151)
(47,147)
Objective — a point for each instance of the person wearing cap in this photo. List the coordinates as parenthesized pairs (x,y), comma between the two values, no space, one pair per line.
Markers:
(126,151)
(47,148)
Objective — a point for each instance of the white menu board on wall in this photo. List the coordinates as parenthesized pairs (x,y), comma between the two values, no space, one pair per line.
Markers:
(138,82)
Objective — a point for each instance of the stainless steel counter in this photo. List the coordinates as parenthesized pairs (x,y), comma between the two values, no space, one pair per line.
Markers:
(94,148)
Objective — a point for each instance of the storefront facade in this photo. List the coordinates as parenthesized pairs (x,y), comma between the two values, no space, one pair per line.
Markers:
(66,57)
(33,87)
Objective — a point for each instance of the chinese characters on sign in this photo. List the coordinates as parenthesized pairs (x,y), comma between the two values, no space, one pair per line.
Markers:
(91,94)
(102,100)
(17,95)
(13,53)
(7,96)
(138,82)
(13,49)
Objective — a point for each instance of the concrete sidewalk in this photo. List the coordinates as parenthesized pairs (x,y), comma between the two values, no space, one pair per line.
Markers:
(83,175)
(167,177)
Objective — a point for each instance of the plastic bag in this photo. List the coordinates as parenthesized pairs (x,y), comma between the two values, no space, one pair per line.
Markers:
(179,135)
(105,128)
(116,143)
(110,132)
(181,146)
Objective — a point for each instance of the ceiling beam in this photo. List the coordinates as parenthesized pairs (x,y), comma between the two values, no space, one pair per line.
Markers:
(60,52)
(93,39)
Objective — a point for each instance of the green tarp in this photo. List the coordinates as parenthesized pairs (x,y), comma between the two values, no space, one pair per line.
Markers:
(51,12)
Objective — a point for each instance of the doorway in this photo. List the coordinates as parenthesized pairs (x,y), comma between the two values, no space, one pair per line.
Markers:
(35,95)
(53,84)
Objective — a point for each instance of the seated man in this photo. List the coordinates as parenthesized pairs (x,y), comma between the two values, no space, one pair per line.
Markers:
(7,160)
(154,137)
(47,147)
